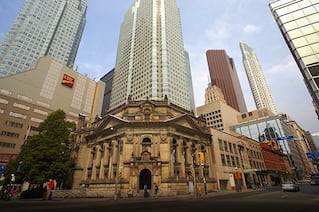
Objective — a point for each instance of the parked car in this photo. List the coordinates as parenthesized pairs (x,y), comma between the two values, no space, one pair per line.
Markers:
(314,179)
(290,186)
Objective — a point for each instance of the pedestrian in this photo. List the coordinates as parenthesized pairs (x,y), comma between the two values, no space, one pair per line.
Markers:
(146,194)
(50,187)
(156,189)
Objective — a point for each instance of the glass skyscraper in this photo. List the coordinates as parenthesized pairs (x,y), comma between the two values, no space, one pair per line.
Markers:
(298,22)
(256,79)
(151,62)
(43,27)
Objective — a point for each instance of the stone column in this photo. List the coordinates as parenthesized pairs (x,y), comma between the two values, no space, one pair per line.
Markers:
(89,162)
(181,159)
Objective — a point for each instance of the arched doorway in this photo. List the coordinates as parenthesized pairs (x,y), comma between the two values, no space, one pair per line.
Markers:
(145,178)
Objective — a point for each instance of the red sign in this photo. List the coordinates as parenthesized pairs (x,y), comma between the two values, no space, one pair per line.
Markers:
(4,158)
(68,81)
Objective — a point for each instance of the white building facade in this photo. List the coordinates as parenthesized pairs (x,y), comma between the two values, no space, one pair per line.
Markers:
(257,81)
(151,62)
(43,27)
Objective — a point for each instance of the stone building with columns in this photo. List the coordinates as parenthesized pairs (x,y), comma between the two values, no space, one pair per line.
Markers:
(144,142)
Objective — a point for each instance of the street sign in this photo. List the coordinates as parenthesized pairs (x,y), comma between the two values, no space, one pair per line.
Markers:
(288,137)
(312,155)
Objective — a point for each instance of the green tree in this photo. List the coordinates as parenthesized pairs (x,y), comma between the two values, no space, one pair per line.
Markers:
(47,155)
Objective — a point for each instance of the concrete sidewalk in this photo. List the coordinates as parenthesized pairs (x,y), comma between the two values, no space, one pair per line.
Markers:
(186,196)
(141,198)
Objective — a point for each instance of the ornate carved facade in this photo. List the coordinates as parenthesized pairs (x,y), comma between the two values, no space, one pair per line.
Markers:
(145,142)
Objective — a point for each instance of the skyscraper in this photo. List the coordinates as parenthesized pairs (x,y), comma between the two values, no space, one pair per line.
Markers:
(151,62)
(256,78)
(43,27)
(298,22)
(223,74)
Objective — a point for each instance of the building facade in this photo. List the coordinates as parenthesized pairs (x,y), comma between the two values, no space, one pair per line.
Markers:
(27,98)
(43,27)
(108,80)
(277,164)
(233,154)
(223,74)
(142,143)
(273,130)
(216,112)
(257,81)
(151,61)
(299,25)
(304,146)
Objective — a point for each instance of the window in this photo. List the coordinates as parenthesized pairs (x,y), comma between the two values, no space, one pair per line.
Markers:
(223,159)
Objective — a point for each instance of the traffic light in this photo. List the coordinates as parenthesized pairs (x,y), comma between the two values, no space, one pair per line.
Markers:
(201,156)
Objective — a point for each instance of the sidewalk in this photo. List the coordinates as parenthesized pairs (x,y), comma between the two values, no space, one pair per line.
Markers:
(187,196)
(141,198)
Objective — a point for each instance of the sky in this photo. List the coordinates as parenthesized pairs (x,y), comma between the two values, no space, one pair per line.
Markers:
(206,24)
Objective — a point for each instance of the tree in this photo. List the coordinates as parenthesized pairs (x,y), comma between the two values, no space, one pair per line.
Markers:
(47,155)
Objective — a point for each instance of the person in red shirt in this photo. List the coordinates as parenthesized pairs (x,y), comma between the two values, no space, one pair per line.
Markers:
(50,187)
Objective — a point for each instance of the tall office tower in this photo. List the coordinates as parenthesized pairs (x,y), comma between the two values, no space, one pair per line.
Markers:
(223,74)
(189,76)
(43,27)
(256,79)
(108,80)
(298,22)
(151,62)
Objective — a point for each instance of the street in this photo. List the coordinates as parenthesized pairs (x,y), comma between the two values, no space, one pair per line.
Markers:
(270,199)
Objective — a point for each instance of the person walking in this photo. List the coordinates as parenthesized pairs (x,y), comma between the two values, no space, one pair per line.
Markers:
(145,191)
(156,189)
(50,187)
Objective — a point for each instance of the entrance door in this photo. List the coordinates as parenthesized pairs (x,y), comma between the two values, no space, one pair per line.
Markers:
(145,178)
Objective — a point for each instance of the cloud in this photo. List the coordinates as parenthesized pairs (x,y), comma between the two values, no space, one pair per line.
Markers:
(95,70)
(286,68)
(219,31)
(251,28)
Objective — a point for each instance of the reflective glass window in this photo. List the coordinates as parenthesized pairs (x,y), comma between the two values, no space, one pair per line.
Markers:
(297,14)
(314,70)
(312,38)
(304,51)
(302,22)
(291,25)
(295,33)
(293,7)
(306,30)
(286,18)
(300,42)
(313,18)
(310,59)
(254,132)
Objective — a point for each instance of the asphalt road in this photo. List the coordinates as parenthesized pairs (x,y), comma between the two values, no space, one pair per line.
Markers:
(270,200)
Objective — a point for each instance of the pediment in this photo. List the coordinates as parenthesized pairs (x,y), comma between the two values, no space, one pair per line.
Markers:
(190,122)
(108,122)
